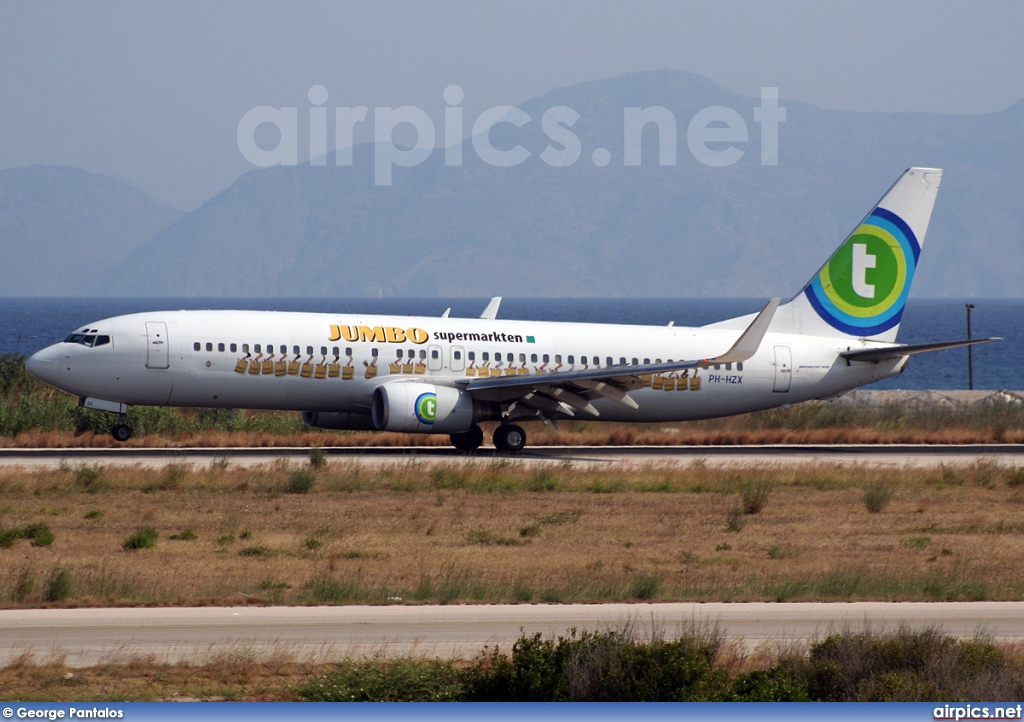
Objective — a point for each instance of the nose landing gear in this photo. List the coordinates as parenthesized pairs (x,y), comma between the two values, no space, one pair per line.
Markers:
(121,431)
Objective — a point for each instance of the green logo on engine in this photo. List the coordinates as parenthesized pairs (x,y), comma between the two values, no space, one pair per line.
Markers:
(426,407)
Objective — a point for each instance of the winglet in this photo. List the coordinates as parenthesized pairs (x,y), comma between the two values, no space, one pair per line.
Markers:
(491,312)
(747,344)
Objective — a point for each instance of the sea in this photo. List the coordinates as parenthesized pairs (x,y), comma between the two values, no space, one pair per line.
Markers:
(29,324)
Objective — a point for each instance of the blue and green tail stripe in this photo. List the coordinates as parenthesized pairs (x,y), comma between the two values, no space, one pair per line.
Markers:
(863,288)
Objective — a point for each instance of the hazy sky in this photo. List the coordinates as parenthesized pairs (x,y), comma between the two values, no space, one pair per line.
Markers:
(154,91)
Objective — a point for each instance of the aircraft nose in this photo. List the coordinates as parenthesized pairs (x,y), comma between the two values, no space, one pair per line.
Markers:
(44,365)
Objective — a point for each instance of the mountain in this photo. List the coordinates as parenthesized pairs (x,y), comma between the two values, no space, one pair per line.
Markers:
(652,230)
(62,229)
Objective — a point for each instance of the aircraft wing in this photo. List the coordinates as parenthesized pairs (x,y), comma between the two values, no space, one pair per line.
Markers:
(565,393)
(886,353)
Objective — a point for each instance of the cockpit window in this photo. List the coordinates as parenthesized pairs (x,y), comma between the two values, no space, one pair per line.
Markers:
(88,339)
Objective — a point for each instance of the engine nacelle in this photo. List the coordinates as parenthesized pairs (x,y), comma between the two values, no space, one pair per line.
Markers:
(423,408)
(337,420)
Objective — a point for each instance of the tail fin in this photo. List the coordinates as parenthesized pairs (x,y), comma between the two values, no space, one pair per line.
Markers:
(862,289)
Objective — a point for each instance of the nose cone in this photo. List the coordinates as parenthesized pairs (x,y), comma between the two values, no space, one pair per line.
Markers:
(44,365)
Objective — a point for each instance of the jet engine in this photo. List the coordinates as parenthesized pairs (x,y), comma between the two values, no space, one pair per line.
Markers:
(423,408)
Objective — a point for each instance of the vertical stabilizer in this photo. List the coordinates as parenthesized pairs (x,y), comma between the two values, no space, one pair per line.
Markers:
(862,289)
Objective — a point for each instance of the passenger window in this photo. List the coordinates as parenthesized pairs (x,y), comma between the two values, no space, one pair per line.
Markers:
(295,350)
(456,355)
(309,350)
(739,366)
(572,359)
(245,348)
(220,347)
(234,348)
(423,355)
(608,361)
(195,346)
(657,360)
(334,351)
(533,358)
(257,348)
(558,358)
(373,352)
(348,351)
(728,367)
(485,356)
(434,354)
(583,360)
(209,346)
(471,356)
(718,367)
(647,361)
(546,358)
(283,349)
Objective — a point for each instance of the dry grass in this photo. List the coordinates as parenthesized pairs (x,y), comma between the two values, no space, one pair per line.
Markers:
(236,675)
(582,434)
(417,533)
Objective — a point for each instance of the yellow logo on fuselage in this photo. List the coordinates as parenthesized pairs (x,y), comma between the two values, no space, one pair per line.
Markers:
(378,334)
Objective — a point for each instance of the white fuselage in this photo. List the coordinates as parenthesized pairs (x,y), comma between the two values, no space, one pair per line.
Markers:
(334,362)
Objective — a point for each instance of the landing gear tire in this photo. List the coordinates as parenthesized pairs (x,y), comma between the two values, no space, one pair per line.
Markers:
(468,441)
(509,439)
(121,432)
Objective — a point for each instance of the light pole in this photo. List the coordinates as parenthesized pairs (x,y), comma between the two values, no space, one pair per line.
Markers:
(970,356)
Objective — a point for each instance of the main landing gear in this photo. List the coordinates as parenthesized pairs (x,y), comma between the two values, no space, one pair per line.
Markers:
(468,441)
(121,431)
(508,439)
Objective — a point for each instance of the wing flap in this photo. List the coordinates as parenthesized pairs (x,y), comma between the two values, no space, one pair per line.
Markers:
(560,391)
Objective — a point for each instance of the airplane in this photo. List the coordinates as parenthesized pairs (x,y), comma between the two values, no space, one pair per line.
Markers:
(446,375)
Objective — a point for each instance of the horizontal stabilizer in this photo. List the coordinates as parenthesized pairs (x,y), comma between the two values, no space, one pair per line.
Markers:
(895,352)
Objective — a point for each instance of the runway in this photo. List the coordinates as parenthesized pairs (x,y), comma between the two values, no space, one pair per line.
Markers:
(85,637)
(885,455)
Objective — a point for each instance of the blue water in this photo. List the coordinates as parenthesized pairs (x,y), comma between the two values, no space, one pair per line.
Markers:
(28,324)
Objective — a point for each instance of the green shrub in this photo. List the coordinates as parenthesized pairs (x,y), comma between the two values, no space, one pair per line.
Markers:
(397,680)
(39,535)
(144,538)
(754,495)
(25,585)
(317,457)
(93,514)
(877,496)
(602,667)
(86,476)
(734,521)
(184,535)
(488,538)
(58,585)
(258,551)
(300,481)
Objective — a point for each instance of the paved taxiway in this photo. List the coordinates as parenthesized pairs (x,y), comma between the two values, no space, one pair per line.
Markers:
(88,636)
(884,455)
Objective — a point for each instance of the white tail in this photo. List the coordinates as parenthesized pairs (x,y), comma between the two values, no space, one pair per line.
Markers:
(862,289)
